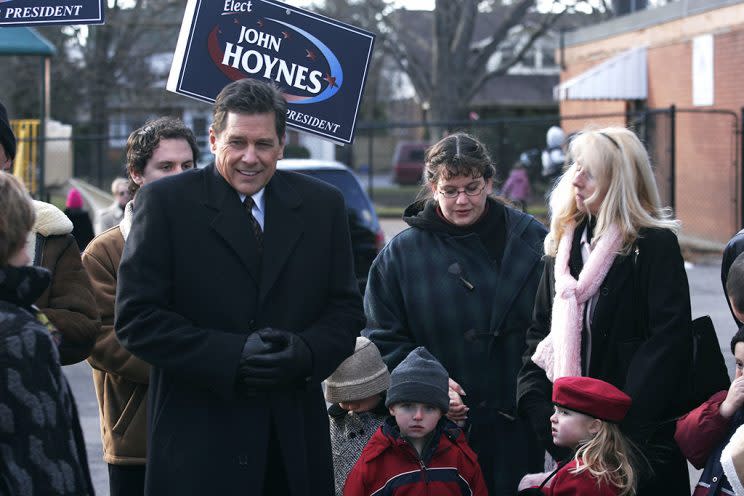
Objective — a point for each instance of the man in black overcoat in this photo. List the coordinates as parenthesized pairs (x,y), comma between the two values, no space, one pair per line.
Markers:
(237,286)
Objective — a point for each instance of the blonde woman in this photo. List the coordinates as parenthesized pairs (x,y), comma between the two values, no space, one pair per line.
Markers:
(613,302)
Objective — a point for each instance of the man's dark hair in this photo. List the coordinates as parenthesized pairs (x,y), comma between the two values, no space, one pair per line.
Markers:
(250,96)
(738,338)
(735,283)
(143,141)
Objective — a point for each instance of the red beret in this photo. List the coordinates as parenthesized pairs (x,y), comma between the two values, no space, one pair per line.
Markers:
(592,397)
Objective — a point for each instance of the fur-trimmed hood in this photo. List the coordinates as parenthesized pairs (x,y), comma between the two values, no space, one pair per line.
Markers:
(50,221)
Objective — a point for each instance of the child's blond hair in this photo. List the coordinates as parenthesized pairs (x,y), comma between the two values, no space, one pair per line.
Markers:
(609,457)
(17,216)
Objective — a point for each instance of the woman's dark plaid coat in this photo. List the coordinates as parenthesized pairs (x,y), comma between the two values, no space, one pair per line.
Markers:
(437,286)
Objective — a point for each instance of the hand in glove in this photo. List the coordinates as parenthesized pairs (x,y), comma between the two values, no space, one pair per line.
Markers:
(283,360)
(253,346)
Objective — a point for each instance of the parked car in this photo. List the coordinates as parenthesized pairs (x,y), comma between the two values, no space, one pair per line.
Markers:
(367,237)
(408,162)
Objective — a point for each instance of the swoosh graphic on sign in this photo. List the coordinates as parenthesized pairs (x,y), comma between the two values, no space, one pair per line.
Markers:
(333,63)
(216,54)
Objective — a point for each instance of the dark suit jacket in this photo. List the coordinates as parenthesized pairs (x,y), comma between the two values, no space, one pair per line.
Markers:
(190,291)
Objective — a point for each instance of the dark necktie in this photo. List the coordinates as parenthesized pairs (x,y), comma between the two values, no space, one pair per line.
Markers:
(257,232)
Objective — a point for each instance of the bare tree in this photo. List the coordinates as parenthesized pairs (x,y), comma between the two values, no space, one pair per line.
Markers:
(448,67)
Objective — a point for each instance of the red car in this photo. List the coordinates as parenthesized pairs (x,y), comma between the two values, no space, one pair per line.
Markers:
(408,162)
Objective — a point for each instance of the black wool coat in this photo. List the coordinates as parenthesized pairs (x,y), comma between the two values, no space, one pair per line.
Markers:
(415,297)
(191,290)
(640,342)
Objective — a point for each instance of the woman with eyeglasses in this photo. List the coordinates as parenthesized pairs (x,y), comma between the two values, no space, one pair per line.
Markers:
(461,281)
(613,302)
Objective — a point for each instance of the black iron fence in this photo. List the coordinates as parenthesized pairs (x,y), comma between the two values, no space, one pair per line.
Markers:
(696,155)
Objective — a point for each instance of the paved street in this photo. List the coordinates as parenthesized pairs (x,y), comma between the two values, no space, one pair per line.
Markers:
(705,288)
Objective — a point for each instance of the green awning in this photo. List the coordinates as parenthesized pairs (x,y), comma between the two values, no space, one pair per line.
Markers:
(24,41)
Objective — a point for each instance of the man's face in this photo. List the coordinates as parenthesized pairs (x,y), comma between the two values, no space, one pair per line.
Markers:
(6,164)
(247,150)
(122,194)
(171,156)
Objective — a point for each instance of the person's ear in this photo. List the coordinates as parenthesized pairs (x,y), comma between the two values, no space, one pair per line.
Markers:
(212,140)
(137,177)
(594,426)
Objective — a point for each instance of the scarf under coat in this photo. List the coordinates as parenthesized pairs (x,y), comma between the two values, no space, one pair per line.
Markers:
(559,354)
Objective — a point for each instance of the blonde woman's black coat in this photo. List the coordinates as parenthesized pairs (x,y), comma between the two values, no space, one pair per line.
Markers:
(640,342)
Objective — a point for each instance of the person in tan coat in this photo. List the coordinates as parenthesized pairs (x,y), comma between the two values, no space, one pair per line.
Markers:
(158,149)
(68,302)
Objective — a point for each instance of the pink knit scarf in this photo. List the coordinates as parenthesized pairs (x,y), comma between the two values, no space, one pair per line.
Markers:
(559,354)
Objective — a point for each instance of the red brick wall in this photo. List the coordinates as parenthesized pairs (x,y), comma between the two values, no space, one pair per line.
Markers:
(707,180)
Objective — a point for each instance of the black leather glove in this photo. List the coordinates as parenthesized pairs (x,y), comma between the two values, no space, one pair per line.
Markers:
(283,359)
(253,346)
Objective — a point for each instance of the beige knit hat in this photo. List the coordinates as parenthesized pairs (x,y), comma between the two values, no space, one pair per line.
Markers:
(360,376)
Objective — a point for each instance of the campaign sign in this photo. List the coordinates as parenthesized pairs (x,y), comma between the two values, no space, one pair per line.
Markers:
(39,12)
(319,64)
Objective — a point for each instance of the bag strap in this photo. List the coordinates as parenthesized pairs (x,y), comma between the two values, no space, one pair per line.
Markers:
(559,466)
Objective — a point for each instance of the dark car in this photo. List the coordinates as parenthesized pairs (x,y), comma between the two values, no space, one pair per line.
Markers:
(367,238)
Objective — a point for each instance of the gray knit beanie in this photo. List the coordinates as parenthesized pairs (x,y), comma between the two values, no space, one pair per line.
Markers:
(419,378)
(360,376)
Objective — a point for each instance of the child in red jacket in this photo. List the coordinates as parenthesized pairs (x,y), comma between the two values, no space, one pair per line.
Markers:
(417,450)
(709,433)
(587,413)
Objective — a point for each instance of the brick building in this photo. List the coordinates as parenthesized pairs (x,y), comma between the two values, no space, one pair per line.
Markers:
(687,56)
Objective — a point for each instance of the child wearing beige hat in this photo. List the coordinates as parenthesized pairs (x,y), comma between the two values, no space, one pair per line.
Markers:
(356,389)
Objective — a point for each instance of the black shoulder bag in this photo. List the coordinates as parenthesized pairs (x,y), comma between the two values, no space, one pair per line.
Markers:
(708,373)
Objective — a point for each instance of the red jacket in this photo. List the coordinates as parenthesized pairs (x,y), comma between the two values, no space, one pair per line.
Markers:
(567,483)
(390,466)
(701,430)
(701,436)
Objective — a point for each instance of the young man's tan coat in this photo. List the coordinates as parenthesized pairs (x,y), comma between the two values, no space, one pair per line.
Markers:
(121,380)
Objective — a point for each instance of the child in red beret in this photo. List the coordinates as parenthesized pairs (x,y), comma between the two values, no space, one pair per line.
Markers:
(586,418)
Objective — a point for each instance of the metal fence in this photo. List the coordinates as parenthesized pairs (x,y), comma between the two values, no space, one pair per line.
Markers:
(696,155)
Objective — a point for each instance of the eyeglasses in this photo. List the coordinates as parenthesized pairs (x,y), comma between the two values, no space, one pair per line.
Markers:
(473,189)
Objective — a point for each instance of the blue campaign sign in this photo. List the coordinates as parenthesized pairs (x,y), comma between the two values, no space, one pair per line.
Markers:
(40,12)
(319,64)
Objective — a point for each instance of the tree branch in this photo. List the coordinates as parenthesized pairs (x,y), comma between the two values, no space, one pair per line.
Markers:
(483,77)
(515,16)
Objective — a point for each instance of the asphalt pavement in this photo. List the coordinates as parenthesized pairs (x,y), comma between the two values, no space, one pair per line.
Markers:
(706,295)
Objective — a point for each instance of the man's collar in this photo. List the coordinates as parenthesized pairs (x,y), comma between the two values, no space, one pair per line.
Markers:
(258,199)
